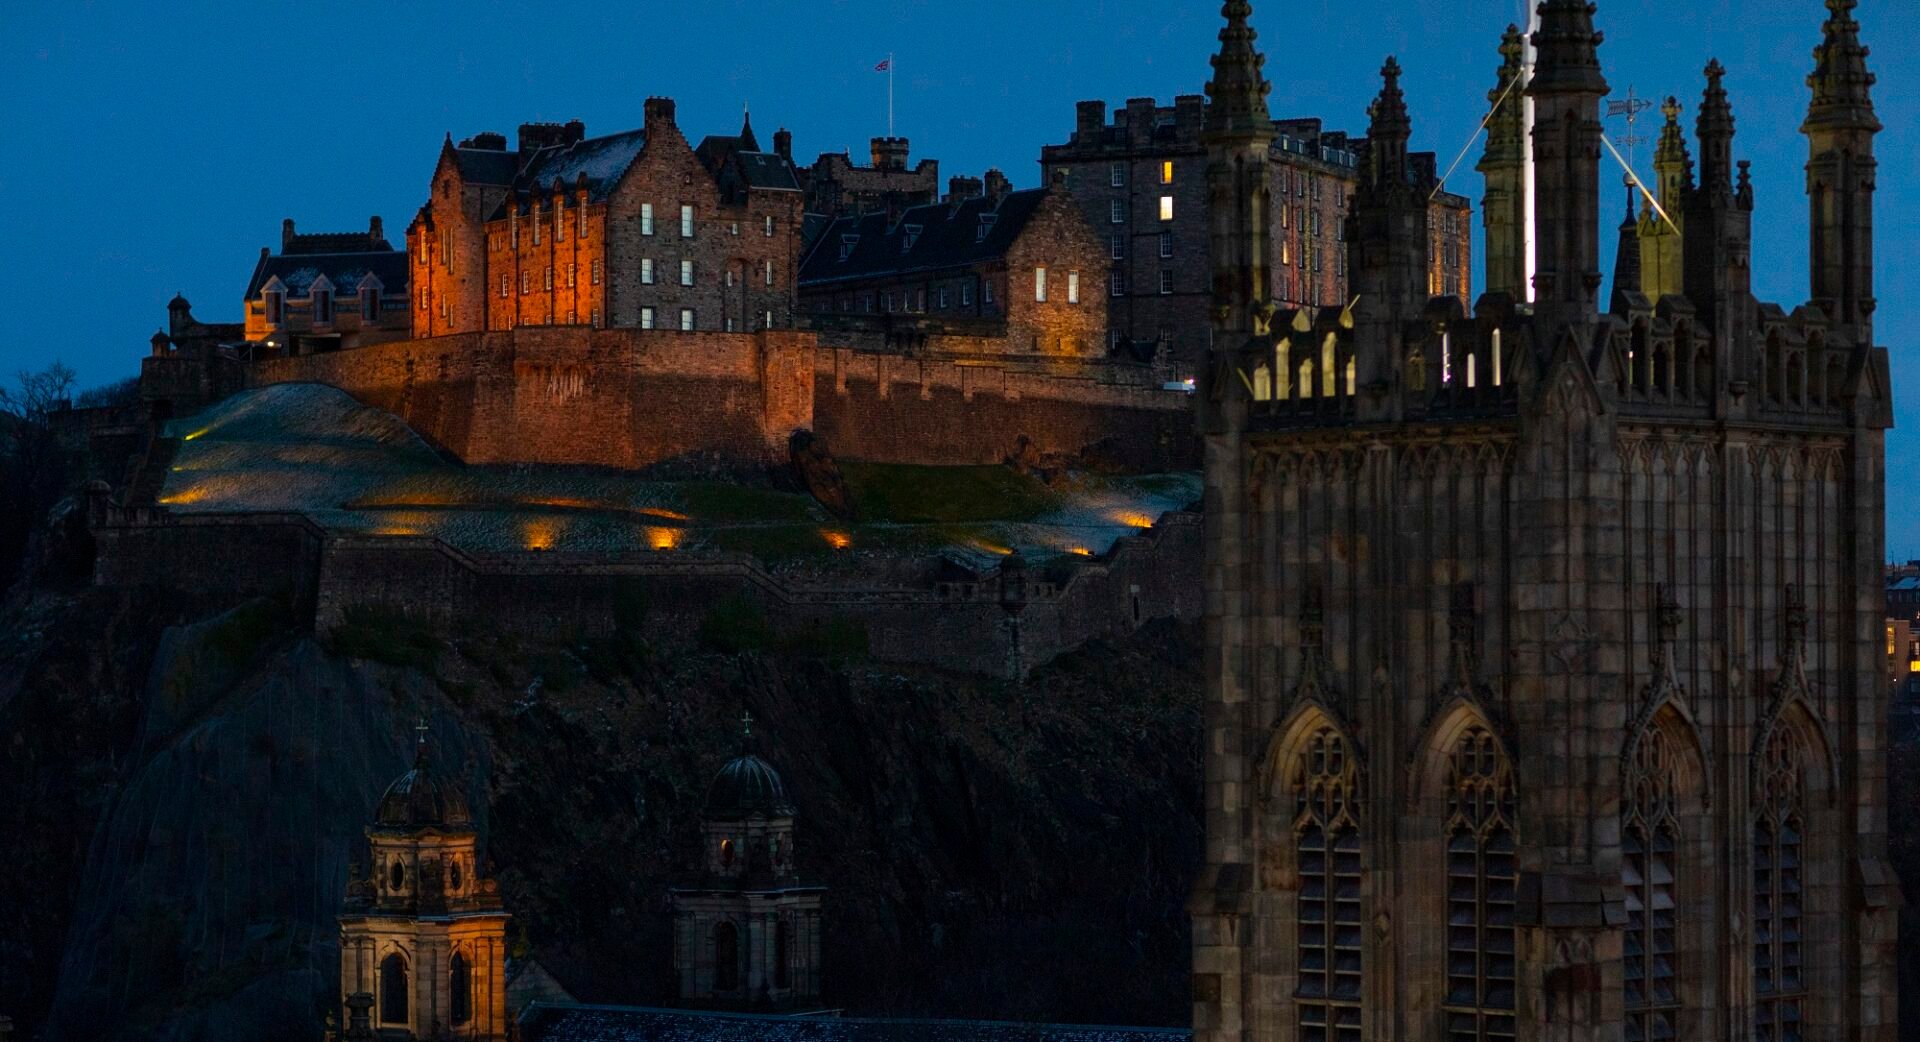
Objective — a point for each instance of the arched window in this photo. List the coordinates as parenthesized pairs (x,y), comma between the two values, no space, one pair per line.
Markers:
(1779,988)
(1650,841)
(1326,829)
(1262,383)
(393,989)
(726,956)
(397,875)
(1481,883)
(459,989)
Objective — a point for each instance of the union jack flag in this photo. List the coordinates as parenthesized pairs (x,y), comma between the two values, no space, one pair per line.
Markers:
(886,65)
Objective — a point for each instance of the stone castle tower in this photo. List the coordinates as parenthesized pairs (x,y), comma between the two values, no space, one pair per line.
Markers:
(1543,700)
(747,934)
(423,938)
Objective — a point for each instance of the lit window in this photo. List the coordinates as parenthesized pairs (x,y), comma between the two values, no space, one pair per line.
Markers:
(1073,287)
(1166,282)
(1166,208)
(1117,174)
(686,222)
(526,283)
(547,278)
(646,318)
(570,271)
(1117,211)
(596,272)
(767,274)
(583,222)
(1040,284)
(646,271)
(769,226)
(646,218)
(686,273)
(1166,172)
(686,319)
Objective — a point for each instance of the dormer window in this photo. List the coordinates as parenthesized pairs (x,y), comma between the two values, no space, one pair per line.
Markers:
(370,300)
(986,225)
(911,235)
(276,306)
(847,243)
(322,295)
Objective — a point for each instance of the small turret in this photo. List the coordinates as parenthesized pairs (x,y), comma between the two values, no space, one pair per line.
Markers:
(1504,208)
(1566,89)
(1841,173)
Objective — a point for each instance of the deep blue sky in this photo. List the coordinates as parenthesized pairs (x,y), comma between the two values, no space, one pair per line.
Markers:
(155,147)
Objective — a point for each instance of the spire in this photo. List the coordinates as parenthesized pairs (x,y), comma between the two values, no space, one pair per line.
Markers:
(747,141)
(1504,207)
(1238,90)
(1672,165)
(1714,126)
(1626,262)
(420,758)
(1389,130)
(1505,124)
(1842,86)
(1567,50)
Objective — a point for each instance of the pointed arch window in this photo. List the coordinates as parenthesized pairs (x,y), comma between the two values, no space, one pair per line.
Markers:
(393,989)
(1482,880)
(1650,841)
(459,990)
(1779,986)
(1326,828)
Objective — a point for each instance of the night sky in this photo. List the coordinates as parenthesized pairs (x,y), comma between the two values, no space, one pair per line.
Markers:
(155,147)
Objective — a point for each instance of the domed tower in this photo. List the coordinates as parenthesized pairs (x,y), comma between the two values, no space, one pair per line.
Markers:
(423,938)
(748,933)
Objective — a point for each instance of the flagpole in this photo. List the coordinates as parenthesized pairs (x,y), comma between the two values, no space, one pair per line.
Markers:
(889,93)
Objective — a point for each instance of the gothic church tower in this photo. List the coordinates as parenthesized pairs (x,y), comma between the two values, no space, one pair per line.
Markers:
(1543,698)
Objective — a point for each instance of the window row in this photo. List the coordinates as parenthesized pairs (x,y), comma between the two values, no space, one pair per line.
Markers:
(1117,173)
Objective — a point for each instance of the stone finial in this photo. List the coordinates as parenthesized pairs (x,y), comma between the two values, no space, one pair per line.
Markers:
(1567,50)
(1714,127)
(1671,160)
(1842,86)
(1238,90)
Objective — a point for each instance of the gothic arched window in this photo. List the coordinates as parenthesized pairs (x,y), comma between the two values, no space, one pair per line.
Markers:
(393,989)
(726,956)
(1650,840)
(1481,884)
(1326,830)
(1779,988)
(459,989)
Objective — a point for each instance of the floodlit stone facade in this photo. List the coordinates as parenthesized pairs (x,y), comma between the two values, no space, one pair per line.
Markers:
(1546,679)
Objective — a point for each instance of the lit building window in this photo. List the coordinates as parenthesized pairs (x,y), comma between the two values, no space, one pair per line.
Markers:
(769,226)
(646,318)
(686,222)
(646,218)
(596,272)
(526,283)
(1073,287)
(646,271)
(686,319)
(1040,284)
(1166,171)
(1166,208)
(686,273)
(547,278)
(767,274)
(570,276)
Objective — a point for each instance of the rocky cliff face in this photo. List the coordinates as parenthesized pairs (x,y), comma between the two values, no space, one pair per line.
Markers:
(189,787)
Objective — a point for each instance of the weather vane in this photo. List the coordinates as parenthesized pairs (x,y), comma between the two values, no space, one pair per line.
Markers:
(1631,109)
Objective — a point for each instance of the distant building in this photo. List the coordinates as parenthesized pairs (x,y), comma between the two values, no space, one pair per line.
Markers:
(1141,182)
(836,187)
(328,291)
(1022,266)
(747,933)
(636,229)
(423,936)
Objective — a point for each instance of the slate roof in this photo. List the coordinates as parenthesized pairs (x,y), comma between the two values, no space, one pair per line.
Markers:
(948,237)
(736,161)
(486,166)
(600,160)
(344,270)
(543,1023)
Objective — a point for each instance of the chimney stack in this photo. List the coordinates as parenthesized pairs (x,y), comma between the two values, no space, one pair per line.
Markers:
(375,233)
(783,144)
(1090,118)
(961,187)
(286,234)
(659,114)
(998,187)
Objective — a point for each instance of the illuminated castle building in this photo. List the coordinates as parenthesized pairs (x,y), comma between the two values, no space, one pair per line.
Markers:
(1546,689)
